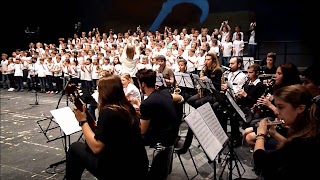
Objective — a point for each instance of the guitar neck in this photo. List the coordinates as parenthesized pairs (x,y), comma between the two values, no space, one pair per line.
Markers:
(91,121)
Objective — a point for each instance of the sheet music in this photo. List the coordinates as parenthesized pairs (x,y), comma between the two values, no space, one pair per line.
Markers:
(160,80)
(200,82)
(66,120)
(183,79)
(209,84)
(208,141)
(236,107)
(213,123)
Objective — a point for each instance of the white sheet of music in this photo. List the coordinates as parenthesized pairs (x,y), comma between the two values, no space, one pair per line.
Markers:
(207,139)
(66,120)
(213,123)
(236,107)
(160,80)
(209,84)
(183,79)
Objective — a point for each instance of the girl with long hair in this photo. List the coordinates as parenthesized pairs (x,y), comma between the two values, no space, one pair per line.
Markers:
(300,112)
(107,147)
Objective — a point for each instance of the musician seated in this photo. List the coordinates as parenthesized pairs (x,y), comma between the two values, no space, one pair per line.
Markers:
(287,74)
(300,112)
(251,91)
(185,91)
(210,71)
(158,120)
(166,72)
(116,140)
(270,66)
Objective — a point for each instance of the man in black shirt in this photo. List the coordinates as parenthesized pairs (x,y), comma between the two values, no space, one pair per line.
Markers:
(158,120)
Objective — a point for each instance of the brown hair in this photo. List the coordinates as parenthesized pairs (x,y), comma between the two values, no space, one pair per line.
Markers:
(215,61)
(307,124)
(130,52)
(111,95)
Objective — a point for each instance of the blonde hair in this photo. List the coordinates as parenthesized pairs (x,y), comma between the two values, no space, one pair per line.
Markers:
(127,77)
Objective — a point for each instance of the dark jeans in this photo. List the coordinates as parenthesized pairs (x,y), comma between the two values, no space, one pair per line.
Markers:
(58,82)
(195,101)
(42,81)
(225,61)
(80,157)
(5,81)
(19,80)
(11,79)
(252,50)
(49,82)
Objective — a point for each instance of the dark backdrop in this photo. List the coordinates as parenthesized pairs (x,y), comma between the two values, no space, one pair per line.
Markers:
(277,20)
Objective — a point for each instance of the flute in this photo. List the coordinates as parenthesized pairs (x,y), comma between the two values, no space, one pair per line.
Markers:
(273,123)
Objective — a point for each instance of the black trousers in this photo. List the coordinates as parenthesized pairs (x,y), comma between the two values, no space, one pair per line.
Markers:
(195,101)
(80,157)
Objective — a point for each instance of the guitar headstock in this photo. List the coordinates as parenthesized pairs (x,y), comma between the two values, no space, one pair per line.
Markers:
(73,92)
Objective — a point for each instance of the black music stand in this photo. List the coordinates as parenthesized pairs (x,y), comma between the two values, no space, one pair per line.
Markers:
(233,112)
(54,125)
(160,81)
(184,80)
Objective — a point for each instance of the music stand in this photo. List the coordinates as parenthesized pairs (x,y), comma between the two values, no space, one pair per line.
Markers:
(183,80)
(247,61)
(199,83)
(54,125)
(234,112)
(160,80)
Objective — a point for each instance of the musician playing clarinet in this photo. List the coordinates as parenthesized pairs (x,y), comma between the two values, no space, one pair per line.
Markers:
(251,91)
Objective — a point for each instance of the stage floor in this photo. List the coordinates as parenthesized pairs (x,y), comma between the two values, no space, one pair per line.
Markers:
(26,152)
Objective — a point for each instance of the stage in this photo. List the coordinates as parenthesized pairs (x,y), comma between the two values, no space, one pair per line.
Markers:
(26,152)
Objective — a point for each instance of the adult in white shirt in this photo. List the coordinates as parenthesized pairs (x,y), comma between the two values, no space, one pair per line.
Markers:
(236,77)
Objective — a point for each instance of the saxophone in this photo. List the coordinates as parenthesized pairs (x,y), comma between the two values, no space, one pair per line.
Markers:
(177,90)
(200,89)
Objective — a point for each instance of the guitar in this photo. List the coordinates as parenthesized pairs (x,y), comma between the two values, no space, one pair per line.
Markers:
(74,95)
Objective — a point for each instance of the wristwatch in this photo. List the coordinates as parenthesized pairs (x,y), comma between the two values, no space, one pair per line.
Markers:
(81,123)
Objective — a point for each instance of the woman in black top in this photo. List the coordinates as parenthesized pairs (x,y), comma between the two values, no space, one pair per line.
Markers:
(296,153)
(211,71)
(116,141)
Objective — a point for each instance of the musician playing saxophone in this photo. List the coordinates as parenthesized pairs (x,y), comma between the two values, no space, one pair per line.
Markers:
(211,71)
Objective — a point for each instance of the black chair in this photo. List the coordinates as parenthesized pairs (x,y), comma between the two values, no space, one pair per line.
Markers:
(161,163)
(182,147)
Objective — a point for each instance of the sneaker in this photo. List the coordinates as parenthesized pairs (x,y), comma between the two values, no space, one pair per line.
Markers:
(48,92)
(11,89)
(51,92)
(21,90)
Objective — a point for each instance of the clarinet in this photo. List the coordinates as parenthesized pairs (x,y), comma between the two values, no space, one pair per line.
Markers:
(257,107)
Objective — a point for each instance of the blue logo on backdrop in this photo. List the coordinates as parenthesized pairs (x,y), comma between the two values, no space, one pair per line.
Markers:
(167,8)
